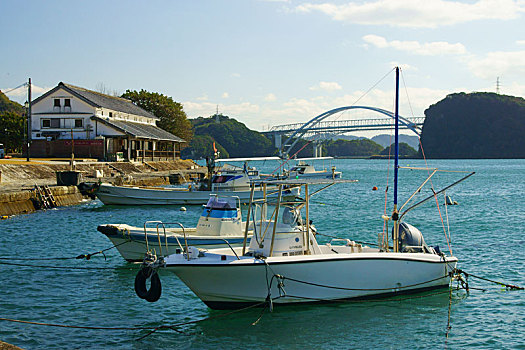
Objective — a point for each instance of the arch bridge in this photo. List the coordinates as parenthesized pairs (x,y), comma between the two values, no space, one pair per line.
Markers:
(318,126)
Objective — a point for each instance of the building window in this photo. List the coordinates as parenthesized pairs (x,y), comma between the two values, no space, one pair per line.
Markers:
(79,123)
(55,123)
(67,102)
(57,102)
(46,123)
(111,114)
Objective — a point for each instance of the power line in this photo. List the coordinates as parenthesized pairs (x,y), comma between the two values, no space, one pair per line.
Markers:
(13,89)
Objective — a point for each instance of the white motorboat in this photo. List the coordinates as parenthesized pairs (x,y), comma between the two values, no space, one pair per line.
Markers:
(304,168)
(219,226)
(228,180)
(284,264)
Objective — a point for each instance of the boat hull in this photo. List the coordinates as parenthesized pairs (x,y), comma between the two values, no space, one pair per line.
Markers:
(237,283)
(124,195)
(132,245)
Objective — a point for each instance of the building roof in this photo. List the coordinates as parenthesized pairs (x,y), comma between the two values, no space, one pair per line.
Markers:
(139,130)
(100,100)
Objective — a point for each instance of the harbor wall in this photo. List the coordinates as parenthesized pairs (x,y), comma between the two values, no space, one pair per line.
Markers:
(24,202)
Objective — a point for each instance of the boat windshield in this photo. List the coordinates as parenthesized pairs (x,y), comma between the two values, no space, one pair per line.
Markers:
(221,203)
(219,179)
(299,169)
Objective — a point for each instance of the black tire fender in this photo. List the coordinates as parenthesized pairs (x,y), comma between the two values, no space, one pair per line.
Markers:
(153,293)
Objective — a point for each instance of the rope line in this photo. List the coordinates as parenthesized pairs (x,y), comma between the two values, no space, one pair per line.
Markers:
(67,267)
(81,256)
(361,289)
(506,285)
(268,304)
(152,329)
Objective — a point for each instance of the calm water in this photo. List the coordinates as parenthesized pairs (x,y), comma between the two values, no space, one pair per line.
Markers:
(487,230)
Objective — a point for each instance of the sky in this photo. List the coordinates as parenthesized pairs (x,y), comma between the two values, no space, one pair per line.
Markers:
(267,62)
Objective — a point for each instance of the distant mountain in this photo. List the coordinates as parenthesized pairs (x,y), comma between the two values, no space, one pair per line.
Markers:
(476,125)
(354,148)
(405,150)
(386,140)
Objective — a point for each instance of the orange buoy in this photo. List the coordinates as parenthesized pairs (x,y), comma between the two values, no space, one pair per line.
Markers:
(374,188)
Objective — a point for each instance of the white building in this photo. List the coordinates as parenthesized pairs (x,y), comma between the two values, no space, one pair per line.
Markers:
(69,119)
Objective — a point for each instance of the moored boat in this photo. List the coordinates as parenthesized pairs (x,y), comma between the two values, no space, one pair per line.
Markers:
(304,168)
(283,263)
(228,180)
(219,226)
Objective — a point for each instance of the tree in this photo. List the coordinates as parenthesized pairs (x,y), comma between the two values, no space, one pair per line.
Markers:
(231,138)
(171,114)
(475,125)
(12,126)
(201,146)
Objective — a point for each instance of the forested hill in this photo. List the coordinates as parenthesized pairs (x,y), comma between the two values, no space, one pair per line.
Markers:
(6,105)
(477,125)
(232,139)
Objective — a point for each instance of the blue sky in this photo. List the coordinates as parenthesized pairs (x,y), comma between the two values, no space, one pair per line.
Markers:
(267,62)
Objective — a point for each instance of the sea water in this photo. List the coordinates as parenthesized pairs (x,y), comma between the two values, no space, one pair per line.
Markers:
(486,233)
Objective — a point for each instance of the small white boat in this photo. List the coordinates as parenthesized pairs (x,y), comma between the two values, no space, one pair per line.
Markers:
(284,264)
(220,225)
(228,180)
(304,169)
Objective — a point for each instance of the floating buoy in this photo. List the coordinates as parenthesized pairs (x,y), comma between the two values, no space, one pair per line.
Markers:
(182,208)
(374,188)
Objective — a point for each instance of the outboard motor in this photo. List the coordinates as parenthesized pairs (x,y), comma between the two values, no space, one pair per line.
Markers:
(410,239)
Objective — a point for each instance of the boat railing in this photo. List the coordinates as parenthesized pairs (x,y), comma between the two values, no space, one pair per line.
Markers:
(176,237)
(229,245)
(163,225)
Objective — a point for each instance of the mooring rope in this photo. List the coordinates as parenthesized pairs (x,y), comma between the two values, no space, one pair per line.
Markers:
(81,256)
(67,267)
(361,289)
(268,303)
(152,329)
(506,285)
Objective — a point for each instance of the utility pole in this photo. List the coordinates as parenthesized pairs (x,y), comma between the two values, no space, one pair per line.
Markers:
(29,120)
(497,85)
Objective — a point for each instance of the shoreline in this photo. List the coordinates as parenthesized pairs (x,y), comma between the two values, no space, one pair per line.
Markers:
(19,180)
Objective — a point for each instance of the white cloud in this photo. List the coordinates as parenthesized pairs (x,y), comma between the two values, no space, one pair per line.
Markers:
(520,42)
(498,63)
(423,49)
(326,86)
(270,97)
(235,75)
(202,98)
(513,89)
(417,13)
(225,95)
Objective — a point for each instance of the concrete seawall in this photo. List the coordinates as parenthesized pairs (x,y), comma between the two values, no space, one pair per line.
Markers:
(18,179)
(23,202)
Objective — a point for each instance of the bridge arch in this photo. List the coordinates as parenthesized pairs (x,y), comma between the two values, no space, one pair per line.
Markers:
(314,121)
